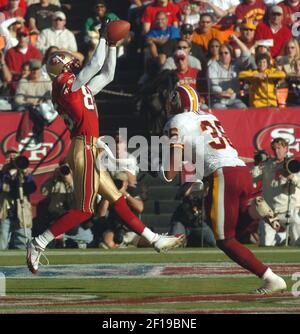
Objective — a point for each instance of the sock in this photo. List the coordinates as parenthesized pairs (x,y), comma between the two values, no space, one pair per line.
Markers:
(149,235)
(269,275)
(242,256)
(69,220)
(44,239)
(132,221)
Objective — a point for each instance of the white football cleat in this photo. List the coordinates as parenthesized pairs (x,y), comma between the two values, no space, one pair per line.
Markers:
(166,242)
(272,285)
(34,252)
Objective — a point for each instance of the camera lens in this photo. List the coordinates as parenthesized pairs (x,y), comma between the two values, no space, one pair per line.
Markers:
(65,170)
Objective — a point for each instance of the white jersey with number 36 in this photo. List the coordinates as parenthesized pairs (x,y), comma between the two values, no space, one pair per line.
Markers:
(218,150)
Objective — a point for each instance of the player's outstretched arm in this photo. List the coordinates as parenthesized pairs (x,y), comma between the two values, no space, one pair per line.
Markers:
(107,72)
(169,171)
(93,67)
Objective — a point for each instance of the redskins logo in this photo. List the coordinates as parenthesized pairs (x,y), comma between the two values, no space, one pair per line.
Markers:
(49,150)
(289,131)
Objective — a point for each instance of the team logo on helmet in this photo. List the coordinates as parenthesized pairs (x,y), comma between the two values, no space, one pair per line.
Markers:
(189,98)
(57,62)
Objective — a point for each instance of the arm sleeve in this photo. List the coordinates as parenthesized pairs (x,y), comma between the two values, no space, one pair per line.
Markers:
(92,68)
(20,94)
(214,79)
(4,27)
(107,72)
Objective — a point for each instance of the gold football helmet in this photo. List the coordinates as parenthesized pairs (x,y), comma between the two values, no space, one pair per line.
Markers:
(58,61)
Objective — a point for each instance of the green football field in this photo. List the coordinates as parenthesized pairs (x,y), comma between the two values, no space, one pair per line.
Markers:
(190,280)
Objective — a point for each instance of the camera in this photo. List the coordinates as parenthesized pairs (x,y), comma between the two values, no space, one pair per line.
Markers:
(119,233)
(64,169)
(292,166)
(260,156)
(21,162)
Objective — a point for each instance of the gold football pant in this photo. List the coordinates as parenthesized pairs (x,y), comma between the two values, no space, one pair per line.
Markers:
(88,181)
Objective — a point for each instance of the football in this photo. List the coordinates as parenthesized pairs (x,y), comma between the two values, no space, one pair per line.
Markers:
(117,30)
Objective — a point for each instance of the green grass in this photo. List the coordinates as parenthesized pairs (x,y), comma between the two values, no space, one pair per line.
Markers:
(135,288)
(133,255)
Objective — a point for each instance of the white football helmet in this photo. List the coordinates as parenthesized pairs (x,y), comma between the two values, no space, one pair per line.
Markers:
(58,61)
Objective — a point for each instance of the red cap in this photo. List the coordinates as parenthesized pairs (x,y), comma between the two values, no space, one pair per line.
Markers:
(22,32)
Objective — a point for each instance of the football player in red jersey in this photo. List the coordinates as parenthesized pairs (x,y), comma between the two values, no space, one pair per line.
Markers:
(73,94)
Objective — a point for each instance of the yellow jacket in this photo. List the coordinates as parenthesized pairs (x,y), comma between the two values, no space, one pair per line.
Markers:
(262,92)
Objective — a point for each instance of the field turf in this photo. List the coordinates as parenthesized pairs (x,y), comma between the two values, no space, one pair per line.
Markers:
(141,281)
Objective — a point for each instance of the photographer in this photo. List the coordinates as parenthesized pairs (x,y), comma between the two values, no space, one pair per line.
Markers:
(281,190)
(15,209)
(114,232)
(59,190)
(187,218)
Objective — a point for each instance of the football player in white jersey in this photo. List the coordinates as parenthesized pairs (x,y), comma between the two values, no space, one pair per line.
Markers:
(229,201)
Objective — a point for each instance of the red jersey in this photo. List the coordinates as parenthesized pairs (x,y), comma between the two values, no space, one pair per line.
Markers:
(78,109)
(190,77)
(255,12)
(150,12)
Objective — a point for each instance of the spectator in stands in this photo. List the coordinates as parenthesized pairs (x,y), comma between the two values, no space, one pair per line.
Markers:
(290,8)
(168,49)
(262,82)
(291,53)
(4,3)
(293,81)
(13,216)
(8,29)
(274,30)
(21,53)
(188,218)
(186,74)
(221,8)
(101,13)
(58,35)
(186,47)
(190,13)
(5,79)
(39,15)
(253,10)
(247,38)
(223,80)
(213,50)
(205,32)
(281,190)
(13,9)
(24,74)
(148,18)
(34,91)
(159,35)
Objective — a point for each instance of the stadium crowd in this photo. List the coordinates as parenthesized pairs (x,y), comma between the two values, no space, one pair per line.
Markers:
(235,53)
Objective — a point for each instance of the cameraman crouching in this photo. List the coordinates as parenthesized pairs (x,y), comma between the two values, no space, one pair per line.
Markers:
(281,190)
(187,218)
(15,209)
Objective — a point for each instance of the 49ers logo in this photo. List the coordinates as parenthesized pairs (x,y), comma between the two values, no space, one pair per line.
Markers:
(290,132)
(49,150)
